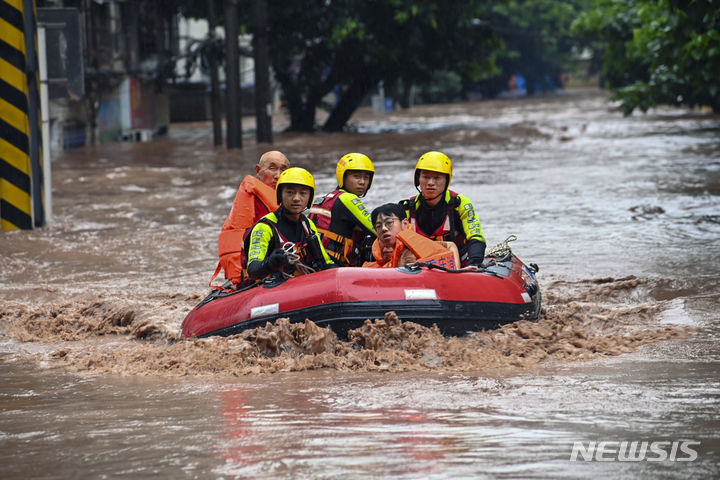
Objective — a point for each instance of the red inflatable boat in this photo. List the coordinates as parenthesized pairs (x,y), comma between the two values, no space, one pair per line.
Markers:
(343,298)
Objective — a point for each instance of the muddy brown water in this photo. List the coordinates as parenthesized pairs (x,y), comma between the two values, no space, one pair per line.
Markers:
(621,214)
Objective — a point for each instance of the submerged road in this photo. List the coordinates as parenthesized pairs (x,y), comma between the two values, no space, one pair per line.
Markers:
(619,378)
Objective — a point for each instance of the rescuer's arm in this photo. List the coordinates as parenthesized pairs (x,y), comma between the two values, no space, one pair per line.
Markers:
(473,231)
(260,261)
(357,211)
(476,252)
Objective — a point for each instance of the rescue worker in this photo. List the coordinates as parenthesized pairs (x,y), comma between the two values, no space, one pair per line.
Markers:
(287,226)
(442,214)
(254,199)
(341,216)
(398,244)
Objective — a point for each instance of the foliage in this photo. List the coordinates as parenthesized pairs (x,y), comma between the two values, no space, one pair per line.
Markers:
(348,46)
(443,87)
(351,45)
(656,51)
(538,42)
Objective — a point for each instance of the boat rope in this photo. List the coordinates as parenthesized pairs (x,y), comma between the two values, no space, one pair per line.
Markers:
(502,250)
(294,259)
(431,266)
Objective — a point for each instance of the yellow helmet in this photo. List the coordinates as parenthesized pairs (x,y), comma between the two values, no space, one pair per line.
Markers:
(354,161)
(435,162)
(295,176)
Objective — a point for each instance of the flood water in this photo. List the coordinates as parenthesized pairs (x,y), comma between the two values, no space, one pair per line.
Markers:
(621,214)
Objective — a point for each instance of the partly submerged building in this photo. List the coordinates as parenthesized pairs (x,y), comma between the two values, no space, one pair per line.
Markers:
(124,69)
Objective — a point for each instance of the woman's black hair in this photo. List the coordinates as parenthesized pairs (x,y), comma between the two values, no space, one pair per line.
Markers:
(388,210)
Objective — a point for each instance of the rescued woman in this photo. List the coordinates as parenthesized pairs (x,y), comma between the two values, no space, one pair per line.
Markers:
(398,244)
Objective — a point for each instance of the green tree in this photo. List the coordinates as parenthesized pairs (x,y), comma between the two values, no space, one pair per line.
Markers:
(538,42)
(656,51)
(349,46)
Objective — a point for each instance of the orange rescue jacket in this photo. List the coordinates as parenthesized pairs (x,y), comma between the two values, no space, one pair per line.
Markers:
(424,249)
(241,218)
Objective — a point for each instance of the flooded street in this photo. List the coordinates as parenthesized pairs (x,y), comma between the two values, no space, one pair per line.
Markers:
(621,214)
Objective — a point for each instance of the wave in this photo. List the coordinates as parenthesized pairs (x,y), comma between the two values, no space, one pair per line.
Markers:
(109,335)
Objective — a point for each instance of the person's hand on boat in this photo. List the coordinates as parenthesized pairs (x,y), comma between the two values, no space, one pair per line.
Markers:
(470,268)
(277,259)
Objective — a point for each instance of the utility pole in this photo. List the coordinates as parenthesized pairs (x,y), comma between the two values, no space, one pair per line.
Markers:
(21,161)
(34,134)
(215,109)
(232,76)
(263,103)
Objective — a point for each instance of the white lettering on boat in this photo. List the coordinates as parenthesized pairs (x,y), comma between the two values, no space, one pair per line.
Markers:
(264,310)
(420,294)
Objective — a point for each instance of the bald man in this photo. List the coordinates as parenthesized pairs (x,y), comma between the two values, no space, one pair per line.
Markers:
(255,198)
(269,168)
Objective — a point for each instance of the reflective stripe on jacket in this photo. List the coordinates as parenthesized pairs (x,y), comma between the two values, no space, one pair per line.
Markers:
(266,237)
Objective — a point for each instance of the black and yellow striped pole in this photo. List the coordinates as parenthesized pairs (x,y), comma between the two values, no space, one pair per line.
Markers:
(21,181)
